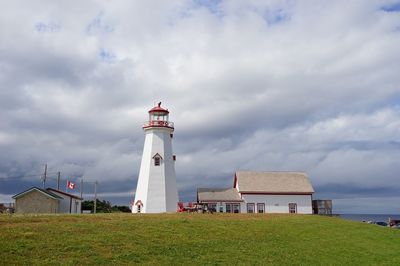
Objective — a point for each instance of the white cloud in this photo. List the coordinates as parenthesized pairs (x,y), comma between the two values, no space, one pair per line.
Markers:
(266,85)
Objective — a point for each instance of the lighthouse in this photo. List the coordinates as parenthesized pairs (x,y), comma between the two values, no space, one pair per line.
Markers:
(156,190)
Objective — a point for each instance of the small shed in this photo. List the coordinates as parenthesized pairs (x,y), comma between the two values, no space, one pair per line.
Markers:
(36,200)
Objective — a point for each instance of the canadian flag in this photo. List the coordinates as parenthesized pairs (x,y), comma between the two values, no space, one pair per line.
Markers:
(71,185)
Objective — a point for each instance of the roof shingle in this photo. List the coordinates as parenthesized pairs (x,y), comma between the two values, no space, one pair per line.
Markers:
(273,182)
(217,194)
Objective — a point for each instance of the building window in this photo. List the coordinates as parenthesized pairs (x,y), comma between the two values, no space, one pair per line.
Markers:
(157,161)
(228,208)
(250,207)
(138,209)
(292,208)
(260,207)
(221,208)
(236,208)
(212,207)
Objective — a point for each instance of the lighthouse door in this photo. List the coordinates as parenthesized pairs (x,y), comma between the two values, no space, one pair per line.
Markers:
(139,206)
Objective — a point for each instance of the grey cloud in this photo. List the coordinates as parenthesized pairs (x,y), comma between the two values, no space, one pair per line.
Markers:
(250,85)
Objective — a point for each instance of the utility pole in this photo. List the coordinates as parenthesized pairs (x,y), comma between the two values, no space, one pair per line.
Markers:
(44,176)
(95,196)
(81,192)
(81,187)
(58,180)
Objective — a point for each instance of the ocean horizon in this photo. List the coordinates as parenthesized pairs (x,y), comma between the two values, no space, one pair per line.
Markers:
(369,217)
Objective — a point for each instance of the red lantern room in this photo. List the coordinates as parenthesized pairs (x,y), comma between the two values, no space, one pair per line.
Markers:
(158,117)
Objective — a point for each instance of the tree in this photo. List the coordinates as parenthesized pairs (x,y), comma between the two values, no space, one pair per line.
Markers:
(103,206)
(117,208)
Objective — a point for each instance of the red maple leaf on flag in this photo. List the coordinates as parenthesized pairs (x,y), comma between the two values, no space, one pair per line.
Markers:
(71,185)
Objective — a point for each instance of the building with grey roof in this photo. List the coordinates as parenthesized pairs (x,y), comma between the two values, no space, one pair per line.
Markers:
(261,192)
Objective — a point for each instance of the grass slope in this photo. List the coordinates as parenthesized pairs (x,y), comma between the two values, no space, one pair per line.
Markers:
(200,239)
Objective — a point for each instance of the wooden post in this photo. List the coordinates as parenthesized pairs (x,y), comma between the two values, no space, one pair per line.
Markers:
(81,187)
(95,197)
(44,176)
(58,180)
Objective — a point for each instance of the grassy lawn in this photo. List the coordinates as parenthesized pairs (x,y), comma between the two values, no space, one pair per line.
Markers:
(194,239)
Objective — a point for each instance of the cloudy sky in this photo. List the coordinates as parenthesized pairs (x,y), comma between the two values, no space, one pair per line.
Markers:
(254,85)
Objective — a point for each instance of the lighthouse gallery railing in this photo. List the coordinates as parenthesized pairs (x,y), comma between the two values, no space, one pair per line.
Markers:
(157,123)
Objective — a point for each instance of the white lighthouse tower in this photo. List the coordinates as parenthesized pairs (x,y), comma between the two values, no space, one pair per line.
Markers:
(156,190)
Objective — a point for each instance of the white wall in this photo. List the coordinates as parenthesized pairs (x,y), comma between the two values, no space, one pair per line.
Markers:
(278,203)
(64,203)
(64,206)
(223,204)
(156,186)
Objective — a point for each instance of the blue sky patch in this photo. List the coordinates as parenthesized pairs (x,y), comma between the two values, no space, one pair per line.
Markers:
(275,16)
(47,27)
(98,25)
(394,7)
(214,6)
(107,55)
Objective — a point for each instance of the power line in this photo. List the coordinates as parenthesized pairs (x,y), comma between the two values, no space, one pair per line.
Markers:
(20,176)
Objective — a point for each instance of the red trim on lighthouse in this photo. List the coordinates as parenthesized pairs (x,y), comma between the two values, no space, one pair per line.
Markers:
(158,109)
(139,202)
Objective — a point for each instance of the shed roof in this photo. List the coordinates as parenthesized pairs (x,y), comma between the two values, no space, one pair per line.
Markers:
(63,193)
(273,182)
(217,194)
(45,192)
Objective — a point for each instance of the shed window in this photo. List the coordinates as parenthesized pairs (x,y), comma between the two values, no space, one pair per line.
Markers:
(157,161)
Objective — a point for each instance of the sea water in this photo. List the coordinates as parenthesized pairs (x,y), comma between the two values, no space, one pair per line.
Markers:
(370,217)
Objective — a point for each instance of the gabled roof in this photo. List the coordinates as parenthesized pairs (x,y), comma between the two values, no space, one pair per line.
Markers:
(157,155)
(45,192)
(273,182)
(63,193)
(217,194)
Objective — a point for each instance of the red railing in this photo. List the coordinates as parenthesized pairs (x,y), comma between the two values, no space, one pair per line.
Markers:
(158,123)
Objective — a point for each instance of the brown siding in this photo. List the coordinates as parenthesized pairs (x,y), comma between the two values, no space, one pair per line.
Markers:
(36,202)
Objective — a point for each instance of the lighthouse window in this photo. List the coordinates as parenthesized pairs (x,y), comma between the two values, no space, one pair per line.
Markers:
(156,161)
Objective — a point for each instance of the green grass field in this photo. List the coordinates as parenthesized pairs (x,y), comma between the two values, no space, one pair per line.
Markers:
(194,239)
